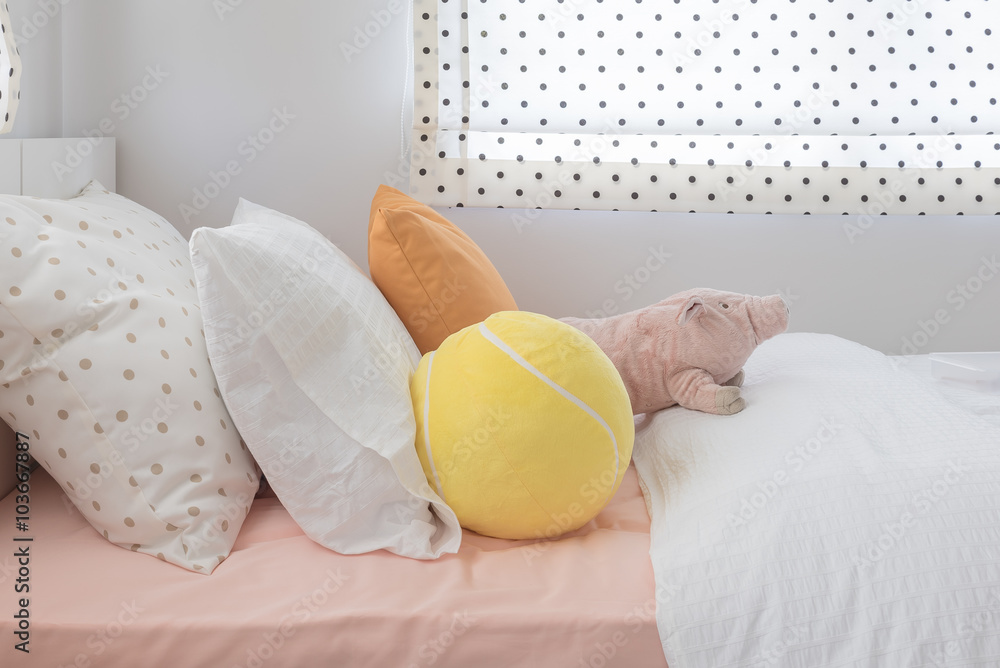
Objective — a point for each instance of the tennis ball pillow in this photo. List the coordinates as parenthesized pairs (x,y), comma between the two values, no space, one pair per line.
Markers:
(524,426)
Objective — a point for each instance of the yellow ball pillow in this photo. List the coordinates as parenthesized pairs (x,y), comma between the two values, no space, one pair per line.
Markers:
(524,426)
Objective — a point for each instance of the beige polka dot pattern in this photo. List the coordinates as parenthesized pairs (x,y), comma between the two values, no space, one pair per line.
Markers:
(103,361)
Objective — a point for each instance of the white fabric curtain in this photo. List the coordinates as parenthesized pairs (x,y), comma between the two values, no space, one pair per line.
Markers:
(10,72)
(845,106)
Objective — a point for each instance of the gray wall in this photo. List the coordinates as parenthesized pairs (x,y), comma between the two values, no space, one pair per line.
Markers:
(220,76)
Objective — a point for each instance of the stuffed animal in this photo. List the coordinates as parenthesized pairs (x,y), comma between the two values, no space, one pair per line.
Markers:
(688,349)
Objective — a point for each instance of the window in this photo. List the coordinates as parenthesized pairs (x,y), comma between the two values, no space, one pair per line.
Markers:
(845,106)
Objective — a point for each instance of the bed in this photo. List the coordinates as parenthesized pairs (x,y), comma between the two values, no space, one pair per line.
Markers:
(282,600)
(848,516)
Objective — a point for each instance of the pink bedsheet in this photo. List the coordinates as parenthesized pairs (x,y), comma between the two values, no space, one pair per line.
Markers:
(281,600)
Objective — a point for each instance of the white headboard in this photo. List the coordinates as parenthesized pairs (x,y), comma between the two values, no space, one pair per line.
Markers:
(55,168)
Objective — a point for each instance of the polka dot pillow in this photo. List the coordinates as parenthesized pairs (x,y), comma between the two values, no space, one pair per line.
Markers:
(103,366)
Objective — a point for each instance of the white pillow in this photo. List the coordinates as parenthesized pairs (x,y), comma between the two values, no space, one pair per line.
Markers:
(103,366)
(315,365)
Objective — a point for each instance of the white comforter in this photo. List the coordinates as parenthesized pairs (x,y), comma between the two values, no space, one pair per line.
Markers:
(849,516)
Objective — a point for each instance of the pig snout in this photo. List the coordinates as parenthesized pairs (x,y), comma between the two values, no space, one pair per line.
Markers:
(768,316)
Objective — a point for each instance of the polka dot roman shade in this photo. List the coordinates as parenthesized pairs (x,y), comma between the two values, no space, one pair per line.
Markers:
(845,106)
(10,72)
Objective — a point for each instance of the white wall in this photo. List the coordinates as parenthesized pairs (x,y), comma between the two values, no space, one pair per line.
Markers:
(222,78)
(897,281)
(225,74)
(38,33)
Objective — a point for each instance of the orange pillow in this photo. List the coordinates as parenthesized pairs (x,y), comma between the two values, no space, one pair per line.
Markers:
(435,277)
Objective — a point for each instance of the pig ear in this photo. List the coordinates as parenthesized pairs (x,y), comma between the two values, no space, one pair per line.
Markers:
(693,307)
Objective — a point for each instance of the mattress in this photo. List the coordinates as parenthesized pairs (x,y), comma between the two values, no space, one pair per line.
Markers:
(282,600)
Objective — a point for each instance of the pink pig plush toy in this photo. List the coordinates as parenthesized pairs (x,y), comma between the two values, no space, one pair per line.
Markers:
(688,349)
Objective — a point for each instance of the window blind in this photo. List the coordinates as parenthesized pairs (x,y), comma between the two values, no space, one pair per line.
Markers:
(845,106)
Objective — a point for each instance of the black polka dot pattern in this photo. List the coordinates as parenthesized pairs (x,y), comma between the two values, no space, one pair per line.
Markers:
(10,72)
(846,106)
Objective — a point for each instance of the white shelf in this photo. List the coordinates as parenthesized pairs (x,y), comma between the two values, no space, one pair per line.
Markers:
(55,168)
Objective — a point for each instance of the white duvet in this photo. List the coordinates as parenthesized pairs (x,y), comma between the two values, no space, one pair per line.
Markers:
(849,516)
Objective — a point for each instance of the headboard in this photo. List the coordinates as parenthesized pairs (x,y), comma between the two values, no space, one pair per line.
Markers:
(54,169)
